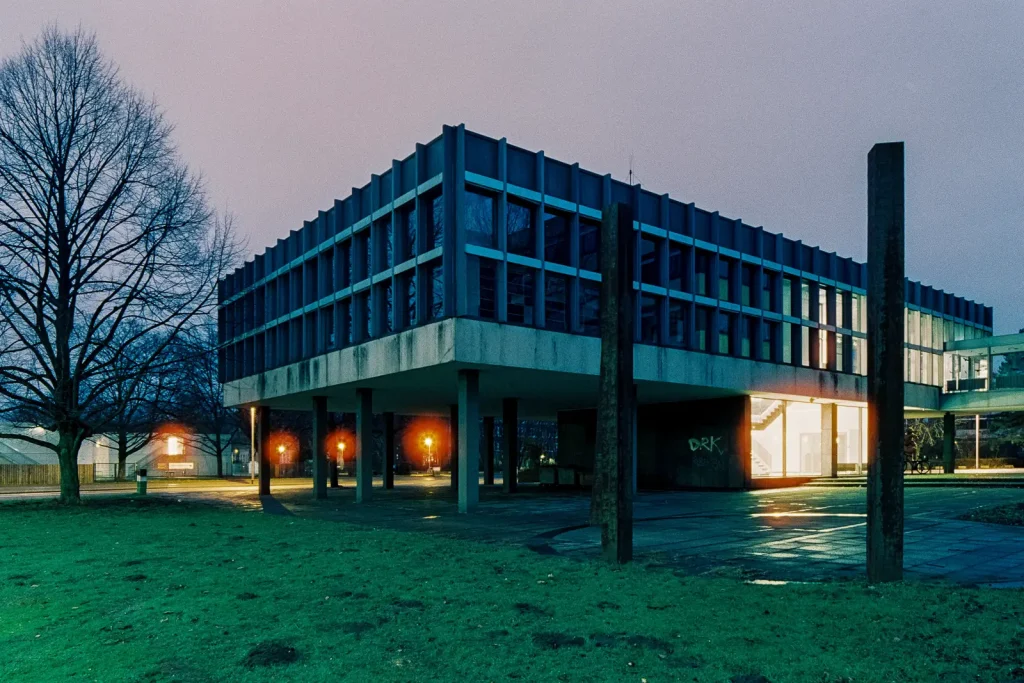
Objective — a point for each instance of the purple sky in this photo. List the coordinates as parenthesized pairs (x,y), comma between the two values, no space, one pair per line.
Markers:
(763,111)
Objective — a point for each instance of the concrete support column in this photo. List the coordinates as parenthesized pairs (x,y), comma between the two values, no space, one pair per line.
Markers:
(510,443)
(469,439)
(364,445)
(488,451)
(263,434)
(949,443)
(885,362)
(453,440)
(829,444)
(332,468)
(389,450)
(612,498)
(333,464)
(319,446)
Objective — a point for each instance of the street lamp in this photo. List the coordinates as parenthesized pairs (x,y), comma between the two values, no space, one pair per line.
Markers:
(341,455)
(428,441)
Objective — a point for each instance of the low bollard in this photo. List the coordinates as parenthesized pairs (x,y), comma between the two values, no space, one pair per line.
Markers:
(140,482)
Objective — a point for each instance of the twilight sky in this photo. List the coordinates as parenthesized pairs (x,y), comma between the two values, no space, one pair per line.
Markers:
(763,111)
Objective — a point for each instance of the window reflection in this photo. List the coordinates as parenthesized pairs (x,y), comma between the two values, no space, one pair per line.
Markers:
(480,219)
(590,245)
(521,237)
(556,302)
(648,319)
(520,295)
(557,240)
(590,315)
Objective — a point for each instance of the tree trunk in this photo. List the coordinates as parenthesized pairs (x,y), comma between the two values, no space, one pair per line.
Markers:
(220,454)
(122,454)
(67,455)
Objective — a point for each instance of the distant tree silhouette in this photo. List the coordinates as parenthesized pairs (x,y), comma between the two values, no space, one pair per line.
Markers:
(197,397)
(108,250)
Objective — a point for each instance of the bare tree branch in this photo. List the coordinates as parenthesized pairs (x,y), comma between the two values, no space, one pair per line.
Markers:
(108,250)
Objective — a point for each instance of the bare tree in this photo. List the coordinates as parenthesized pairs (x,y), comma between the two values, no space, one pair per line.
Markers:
(106,242)
(136,409)
(198,397)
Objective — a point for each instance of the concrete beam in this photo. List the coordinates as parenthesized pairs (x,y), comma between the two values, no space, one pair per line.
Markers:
(469,440)
(885,303)
(510,443)
(319,447)
(364,445)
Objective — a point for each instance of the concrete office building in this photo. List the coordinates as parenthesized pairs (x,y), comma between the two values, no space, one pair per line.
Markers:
(467,275)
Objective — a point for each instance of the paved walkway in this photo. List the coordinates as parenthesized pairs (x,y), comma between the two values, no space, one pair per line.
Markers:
(799,534)
(816,534)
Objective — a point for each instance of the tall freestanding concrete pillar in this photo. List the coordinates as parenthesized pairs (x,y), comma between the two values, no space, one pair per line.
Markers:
(453,437)
(263,434)
(885,362)
(510,443)
(612,496)
(469,439)
(332,467)
(319,447)
(389,450)
(488,453)
(949,443)
(364,445)
(829,443)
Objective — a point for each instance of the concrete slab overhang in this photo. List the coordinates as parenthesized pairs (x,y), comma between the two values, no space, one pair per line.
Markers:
(986,346)
(415,372)
(983,402)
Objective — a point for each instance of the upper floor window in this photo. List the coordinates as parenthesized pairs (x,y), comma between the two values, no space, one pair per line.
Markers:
(768,290)
(590,310)
(382,245)
(590,245)
(724,277)
(488,289)
(435,291)
(650,260)
(519,227)
(436,224)
(408,228)
(649,317)
(557,237)
(556,302)
(676,267)
(747,274)
(702,272)
(521,294)
(676,322)
(480,220)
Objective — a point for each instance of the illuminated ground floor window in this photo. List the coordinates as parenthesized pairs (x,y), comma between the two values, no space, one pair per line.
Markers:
(790,438)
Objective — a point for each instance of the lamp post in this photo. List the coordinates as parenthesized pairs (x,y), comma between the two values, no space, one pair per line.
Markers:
(428,441)
(341,455)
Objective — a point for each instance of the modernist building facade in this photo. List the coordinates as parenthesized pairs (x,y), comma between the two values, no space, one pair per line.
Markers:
(473,255)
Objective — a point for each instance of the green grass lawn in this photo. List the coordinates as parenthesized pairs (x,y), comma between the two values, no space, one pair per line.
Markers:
(157,591)
(1011,514)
